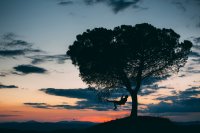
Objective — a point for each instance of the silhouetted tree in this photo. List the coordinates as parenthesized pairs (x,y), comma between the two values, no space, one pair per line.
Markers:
(127,55)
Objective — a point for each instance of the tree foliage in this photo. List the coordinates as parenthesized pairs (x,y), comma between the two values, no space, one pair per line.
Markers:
(127,54)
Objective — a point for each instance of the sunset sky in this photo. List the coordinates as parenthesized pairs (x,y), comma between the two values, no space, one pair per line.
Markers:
(38,81)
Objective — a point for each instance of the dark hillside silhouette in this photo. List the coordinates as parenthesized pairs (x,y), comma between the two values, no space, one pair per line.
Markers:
(127,55)
(145,124)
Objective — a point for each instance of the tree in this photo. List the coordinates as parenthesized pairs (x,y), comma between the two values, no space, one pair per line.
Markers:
(127,55)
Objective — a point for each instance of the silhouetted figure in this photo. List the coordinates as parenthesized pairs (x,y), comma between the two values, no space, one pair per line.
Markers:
(122,101)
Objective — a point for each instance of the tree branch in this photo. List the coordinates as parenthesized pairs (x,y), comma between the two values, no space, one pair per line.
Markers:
(126,82)
(139,76)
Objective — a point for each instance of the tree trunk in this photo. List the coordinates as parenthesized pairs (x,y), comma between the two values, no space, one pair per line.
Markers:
(134,110)
(134,92)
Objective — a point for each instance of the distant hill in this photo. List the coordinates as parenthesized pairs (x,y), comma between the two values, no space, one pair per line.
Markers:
(145,124)
(34,126)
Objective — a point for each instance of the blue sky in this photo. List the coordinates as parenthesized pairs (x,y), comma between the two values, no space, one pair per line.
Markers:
(53,27)
(40,32)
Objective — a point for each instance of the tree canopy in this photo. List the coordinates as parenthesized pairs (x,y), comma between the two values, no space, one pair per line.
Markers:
(127,54)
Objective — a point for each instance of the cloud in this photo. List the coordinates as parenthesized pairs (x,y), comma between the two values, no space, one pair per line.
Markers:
(64,3)
(89,98)
(192,69)
(194,54)
(86,93)
(9,36)
(183,101)
(17,52)
(154,79)
(12,47)
(146,92)
(81,105)
(196,40)
(14,43)
(179,5)
(116,5)
(196,60)
(190,92)
(149,89)
(198,24)
(81,93)
(11,53)
(156,87)
(8,115)
(38,105)
(186,105)
(7,86)
(3,74)
(27,69)
(37,59)
(182,75)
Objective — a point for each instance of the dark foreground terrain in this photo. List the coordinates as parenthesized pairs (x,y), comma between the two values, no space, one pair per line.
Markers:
(145,124)
(44,127)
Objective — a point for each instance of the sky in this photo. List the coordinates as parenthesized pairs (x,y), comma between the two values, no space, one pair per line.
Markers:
(38,81)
